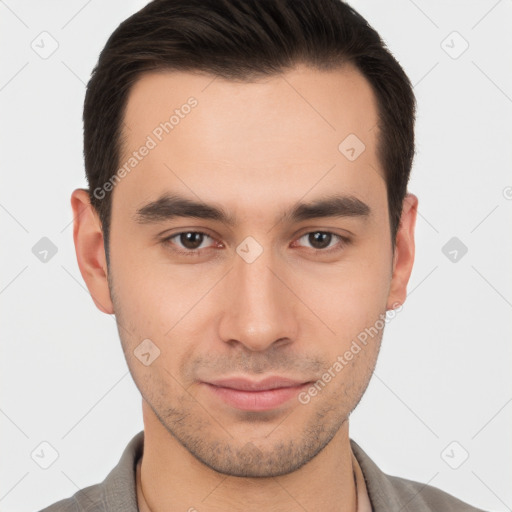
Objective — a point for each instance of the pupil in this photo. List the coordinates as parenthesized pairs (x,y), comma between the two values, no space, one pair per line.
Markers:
(319,239)
(191,240)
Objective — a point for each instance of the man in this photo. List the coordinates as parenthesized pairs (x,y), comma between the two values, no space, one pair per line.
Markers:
(248,222)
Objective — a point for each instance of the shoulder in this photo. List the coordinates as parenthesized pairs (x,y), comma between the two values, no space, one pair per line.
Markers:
(88,499)
(116,493)
(424,497)
(387,492)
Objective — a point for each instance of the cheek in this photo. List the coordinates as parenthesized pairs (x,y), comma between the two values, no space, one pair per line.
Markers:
(353,306)
(161,303)
(348,297)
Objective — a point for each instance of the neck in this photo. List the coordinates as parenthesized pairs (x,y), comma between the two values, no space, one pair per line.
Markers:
(170,478)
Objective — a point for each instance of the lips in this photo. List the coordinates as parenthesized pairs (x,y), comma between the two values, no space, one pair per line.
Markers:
(262,385)
(250,395)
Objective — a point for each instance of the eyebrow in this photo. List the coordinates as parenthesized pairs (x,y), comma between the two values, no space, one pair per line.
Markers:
(170,206)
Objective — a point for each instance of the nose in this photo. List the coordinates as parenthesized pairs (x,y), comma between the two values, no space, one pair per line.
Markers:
(261,309)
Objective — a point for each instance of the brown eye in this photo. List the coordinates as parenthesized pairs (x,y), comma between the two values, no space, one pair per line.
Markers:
(191,239)
(187,242)
(321,240)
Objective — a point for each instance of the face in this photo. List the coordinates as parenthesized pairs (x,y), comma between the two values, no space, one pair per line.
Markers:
(251,302)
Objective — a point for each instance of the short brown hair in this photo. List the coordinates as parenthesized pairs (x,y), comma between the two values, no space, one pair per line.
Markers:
(242,40)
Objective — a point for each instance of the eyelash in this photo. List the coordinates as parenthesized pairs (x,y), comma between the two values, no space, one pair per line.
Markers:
(343,241)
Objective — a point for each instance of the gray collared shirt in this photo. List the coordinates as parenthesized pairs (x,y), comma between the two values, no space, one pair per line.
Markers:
(117,493)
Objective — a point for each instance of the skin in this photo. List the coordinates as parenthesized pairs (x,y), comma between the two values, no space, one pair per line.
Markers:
(255,149)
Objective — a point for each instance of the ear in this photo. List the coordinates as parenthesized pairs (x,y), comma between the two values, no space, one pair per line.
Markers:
(403,257)
(90,249)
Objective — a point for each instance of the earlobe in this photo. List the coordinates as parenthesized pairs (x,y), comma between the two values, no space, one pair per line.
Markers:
(403,258)
(90,250)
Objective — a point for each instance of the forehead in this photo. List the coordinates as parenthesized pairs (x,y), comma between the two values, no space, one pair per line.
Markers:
(293,132)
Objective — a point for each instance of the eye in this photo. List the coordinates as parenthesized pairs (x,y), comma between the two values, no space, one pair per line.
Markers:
(190,241)
(322,241)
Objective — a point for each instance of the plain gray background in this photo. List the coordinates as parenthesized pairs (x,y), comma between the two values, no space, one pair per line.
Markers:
(442,387)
